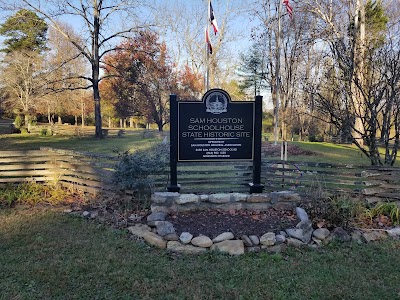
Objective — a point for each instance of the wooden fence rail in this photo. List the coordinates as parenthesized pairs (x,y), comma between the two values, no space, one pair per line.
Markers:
(94,172)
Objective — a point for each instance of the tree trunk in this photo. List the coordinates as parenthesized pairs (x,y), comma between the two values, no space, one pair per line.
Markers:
(357,83)
(83,113)
(96,70)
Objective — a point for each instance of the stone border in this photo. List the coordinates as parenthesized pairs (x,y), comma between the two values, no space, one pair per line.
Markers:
(161,234)
(169,202)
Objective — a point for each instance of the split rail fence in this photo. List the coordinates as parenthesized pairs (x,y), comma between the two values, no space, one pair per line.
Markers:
(92,173)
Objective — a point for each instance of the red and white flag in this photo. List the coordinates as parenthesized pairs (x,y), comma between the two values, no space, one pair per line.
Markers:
(289,8)
(209,46)
(212,19)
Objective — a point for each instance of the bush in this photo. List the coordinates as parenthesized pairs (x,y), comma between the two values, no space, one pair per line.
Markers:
(24,130)
(335,210)
(43,132)
(138,171)
(19,122)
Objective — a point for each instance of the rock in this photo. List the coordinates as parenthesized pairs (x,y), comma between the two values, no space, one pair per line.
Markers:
(306,226)
(187,249)
(246,240)
(187,198)
(139,229)
(232,247)
(185,237)
(202,241)
(394,231)
(268,239)
(374,235)
(86,214)
(341,235)
(259,198)
(321,233)
(94,214)
(155,240)
(166,209)
(282,232)
(295,233)
(164,227)
(171,237)
(301,214)
(219,198)
(294,242)
(255,240)
(203,198)
(239,197)
(68,211)
(164,197)
(357,237)
(223,237)
(156,216)
(280,239)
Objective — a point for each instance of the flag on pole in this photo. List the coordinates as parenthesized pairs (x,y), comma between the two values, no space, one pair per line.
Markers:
(209,46)
(289,8)
(212,19)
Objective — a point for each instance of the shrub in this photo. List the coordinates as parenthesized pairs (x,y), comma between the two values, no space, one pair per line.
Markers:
(19,122)
(43,132)
(138,171)
(24,130)
(337,210)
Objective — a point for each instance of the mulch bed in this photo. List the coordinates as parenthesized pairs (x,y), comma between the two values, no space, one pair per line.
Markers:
(243,222)
(270,149)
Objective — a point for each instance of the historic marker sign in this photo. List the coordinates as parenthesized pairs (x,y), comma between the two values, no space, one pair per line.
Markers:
(216,129)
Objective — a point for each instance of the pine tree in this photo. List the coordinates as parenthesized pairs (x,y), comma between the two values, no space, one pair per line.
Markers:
(25,31)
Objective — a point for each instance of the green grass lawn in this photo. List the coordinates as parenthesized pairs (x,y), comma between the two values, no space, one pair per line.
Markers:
(134,139)
(47,255)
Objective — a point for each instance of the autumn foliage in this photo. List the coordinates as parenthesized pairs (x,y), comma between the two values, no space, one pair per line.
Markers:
(141,76)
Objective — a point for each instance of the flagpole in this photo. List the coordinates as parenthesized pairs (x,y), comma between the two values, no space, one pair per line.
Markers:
(207,48)
(277,73)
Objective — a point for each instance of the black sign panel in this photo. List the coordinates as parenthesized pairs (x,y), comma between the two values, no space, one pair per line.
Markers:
(216,129)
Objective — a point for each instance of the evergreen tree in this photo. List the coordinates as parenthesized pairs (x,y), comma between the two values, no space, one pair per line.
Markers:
(25,31)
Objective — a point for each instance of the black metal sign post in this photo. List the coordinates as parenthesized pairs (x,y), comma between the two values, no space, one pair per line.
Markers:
(173,146)
(256,186)
(216,129)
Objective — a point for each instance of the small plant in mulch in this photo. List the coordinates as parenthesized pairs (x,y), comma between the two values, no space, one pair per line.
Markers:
(383,214)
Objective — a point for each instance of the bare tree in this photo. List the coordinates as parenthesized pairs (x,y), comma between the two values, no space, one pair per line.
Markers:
(99,19)
(23,78)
